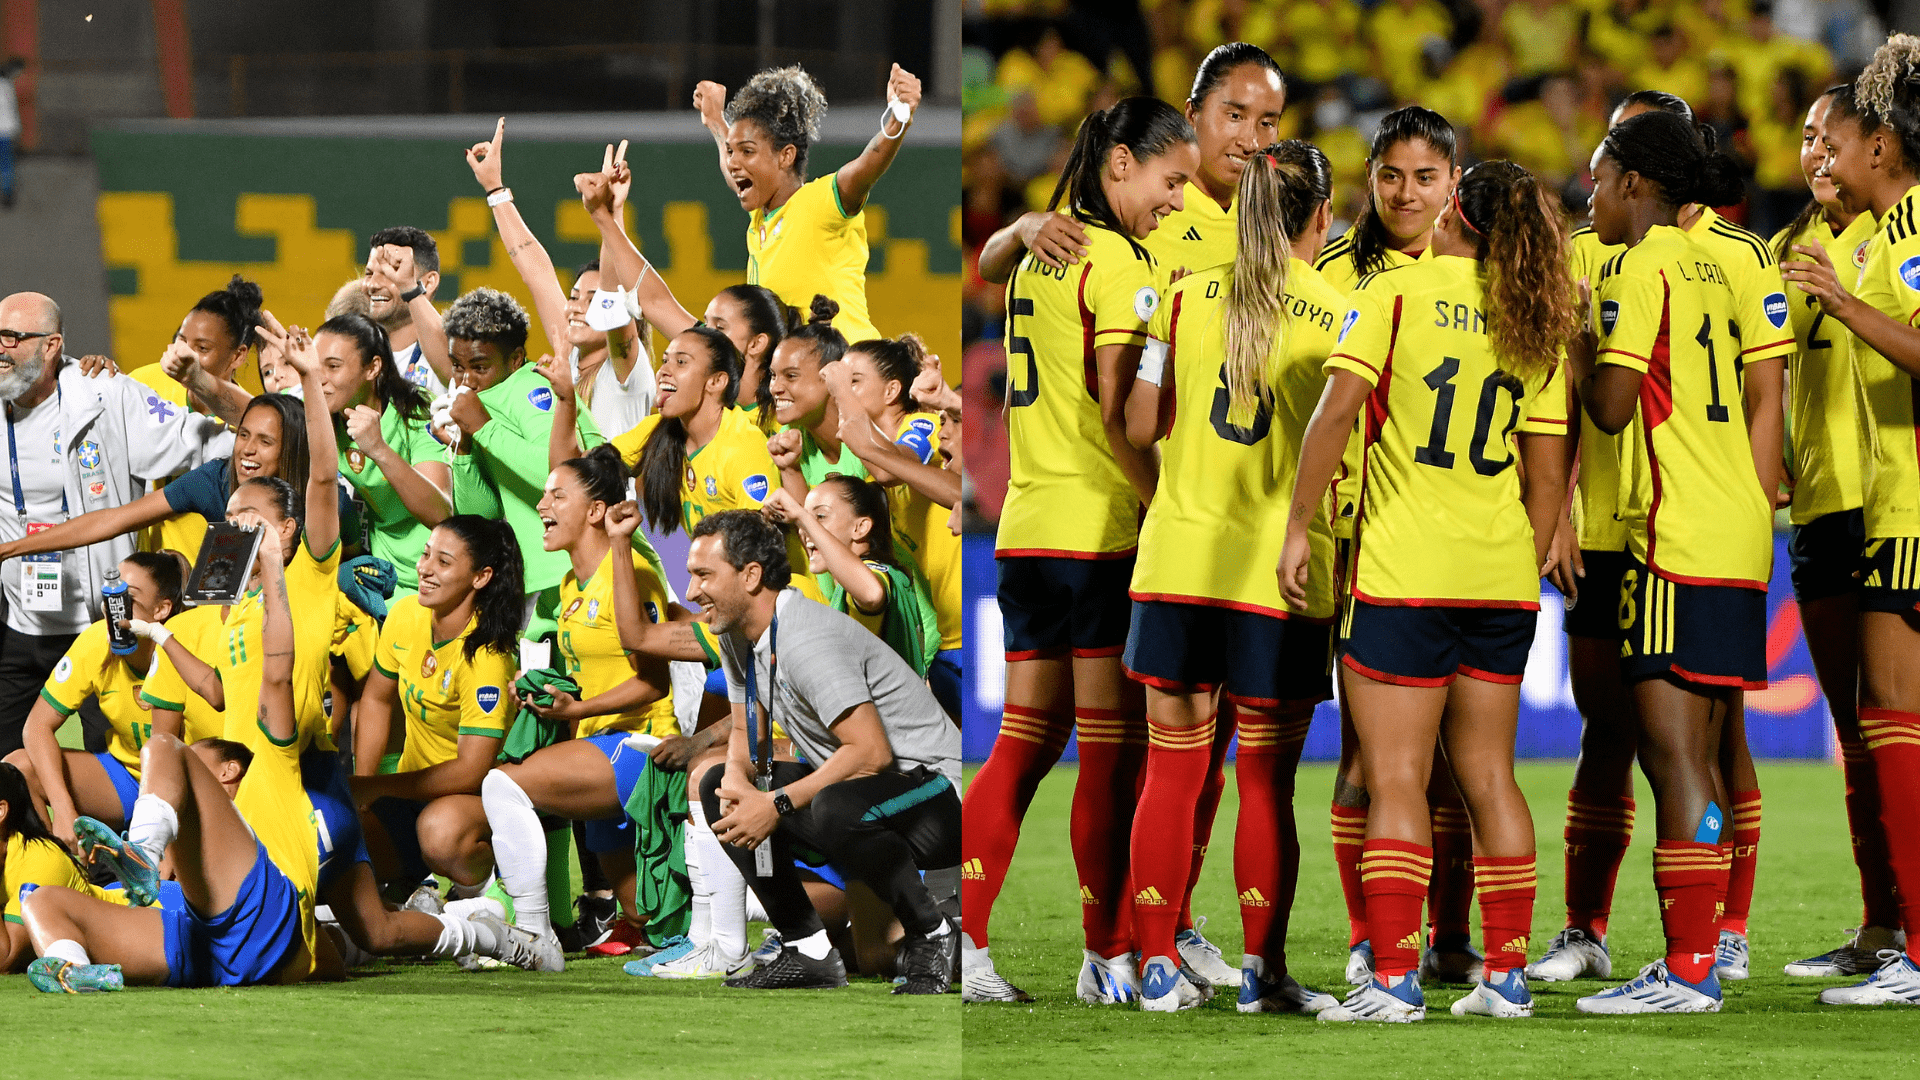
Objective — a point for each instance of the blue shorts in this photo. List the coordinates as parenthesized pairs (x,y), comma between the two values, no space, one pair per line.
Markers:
(1826,555)
(1596,607)
(1053,607)
(1431,646)
(335,820)
(397,816)
(616,833)
(1891,579)
(717,683)
(243,945)
(1713,635)
(124,785)
(1262,661)
(943,677)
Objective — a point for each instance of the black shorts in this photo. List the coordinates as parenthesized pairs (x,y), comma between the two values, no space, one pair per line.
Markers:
(1053,607)
(1892,575)
(1429,646)
(1261,661)
(1715,635)
(1825,555)
(1596,610)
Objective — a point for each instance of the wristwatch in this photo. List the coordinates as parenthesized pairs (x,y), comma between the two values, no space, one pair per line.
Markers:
(783,805)
(419,289)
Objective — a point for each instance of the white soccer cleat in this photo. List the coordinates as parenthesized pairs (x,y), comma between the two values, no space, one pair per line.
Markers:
(1381,1001)
(1164,987)
(1261,994)
(1859,956)
(1730,956)
(704,962)
(518,948)
(981,984)
(1504,998)
(1360,964)
(1107,980)
(425,899)
(1656,990)
(1896,983)
(1203,956)
(1572,954)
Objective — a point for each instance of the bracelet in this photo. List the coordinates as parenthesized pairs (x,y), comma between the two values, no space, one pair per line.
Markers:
(501,195)
(897,110)
(419,289)
(502,187)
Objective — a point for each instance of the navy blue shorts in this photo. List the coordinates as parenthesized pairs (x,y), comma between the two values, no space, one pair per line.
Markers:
(1713,635)
(1431,646)
(124,785)
(1260,661)
(243,945)
(616,833)
(399,817)
(1826,555)
(1596,610)
(1892,579)
(943,678)
(335,820)
(1052,607)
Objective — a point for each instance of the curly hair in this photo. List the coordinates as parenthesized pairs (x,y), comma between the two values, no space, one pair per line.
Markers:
(787,104)
(746,538)
(238,306)
(489,315)
(1888,92)
(1681,157)
(1530,308)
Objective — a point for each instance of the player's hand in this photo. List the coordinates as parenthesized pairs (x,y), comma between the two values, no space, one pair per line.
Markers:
(1056,239)
(930,391)
(484,158)
(565,707)
(181,365)
(1562,553)
(903,86)
(1296,557)
(674,753)
(63,832)
(269,536)
(466,410)
(94,364)
(752,818)
(1817,278)
(781,508)
(558,372)
(363,428)
(785,447)
(155,632)
(613,165)
(596,191)
(299,352)
(621,520)
(710,100)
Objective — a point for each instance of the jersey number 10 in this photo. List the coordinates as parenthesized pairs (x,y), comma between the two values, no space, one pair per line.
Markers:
(1440,380)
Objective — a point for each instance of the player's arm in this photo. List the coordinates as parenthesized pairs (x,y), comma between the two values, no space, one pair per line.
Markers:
(1321,449)
(526,254)
(646,290)
(1117,365)
(1897,341)
(863,751)
(865,588)
(1543,488)
(425,487)
(225,398)
(710,101)
(1148,416)
(1054,238)
(856,178)
(431,329)
(49,765)
(168,721)
(276,635)
(16,948)
(373,723)
(92,527)
(639,634)
(1763,391)
(322,525)
(473,756)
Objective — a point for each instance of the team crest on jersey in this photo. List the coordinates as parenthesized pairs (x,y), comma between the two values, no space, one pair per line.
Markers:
(653,611)
(1775,305)
(691,482)
(63,670)
(593,610)
(89,455)
(713,487)
(1610,314)
(756,488)
(1910,272)
(1145,302)
(487,697)
(356,460)
(571,608)
(1860,253)
(1346,324)
(541,398)
(428,666)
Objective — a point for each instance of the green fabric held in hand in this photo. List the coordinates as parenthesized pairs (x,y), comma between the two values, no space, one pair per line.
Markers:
(662,890)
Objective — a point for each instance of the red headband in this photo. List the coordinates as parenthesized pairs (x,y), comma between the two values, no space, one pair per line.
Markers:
(1464,219)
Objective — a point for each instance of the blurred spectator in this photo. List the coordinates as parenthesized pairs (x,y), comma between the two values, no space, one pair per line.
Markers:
(1059,79)
(1618,32)
(1551,137)
(1848,28)
(1400,31)
(1669,66)
(1027,145)
(1541,34)
(1775,137)
(1323,41)
(1759,52)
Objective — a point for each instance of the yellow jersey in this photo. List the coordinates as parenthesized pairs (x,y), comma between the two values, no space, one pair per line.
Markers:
(1596,495)
(1825,429)
(590,645)
(275,806)
(1335,262)
(43,863)
(1890,282)
(1066,495)
(1198,235)
(1692,504)
(91,670)
(443,694)
(1220,479)
(200,630)
(810,245)
(356,635)
(1441,523)
(920,530)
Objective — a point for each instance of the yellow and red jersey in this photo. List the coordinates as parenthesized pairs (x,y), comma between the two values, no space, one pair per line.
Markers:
(1890,282)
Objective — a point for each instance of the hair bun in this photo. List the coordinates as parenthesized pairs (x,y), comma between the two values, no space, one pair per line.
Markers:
(822,309)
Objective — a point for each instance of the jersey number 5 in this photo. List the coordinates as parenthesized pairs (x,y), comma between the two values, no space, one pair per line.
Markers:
(1021,346)
(1440,380)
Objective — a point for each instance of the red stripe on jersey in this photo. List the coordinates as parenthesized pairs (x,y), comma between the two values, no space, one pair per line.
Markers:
(1376,422)
(1656,402)
(1051,553)
(1170,392)
(1230,605)
(1446,602)
(1357,360)
(1091,367)
(1726,583)
(1396,680)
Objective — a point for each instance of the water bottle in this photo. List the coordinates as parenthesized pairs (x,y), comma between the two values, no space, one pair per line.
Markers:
(113,597)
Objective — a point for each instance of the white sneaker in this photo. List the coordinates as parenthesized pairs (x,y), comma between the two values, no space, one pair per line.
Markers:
(1203,956)
(1896,983)
(980,984)
(1504,998)
(424,899)
(1730,957)
(1656,990)
(1859,956)
(704,962)
(1164,988)
(1360,964)
(518,948)
(1398,1001)
(1107,980)
(1572,954)
(1259,994)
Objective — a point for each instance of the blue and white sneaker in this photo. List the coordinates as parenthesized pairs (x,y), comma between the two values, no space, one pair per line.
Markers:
(1896,983)
(1203,956)
(52,975)
(1259,993)
(676,947)
(131,864)
(1859,956)
(1730,957)
(1573,954)
(1505,997)
(1360,964)
(1164,987)
(1382,1000)
(1107,980)
(1656,990)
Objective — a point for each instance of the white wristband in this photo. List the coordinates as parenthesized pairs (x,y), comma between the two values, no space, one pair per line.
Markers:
(1153,363)
(504,195)
(895,110)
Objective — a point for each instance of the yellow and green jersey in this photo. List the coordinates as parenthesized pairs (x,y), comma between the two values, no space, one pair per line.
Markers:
(589,644)
(43,863)
(199,630)
(275,806)
(811,245)
(1825,428)
(91,670)
(1890,282)
(920,529)
(442,693)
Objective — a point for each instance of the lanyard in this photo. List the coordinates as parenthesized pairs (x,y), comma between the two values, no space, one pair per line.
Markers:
(13,458)
(763,747)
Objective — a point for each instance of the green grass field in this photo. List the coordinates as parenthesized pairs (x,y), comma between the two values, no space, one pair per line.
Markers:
(1806,895)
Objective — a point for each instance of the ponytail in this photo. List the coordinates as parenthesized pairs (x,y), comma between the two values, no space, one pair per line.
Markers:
(499,606)
(1530,308)
(869,500)
(1682,158)
(1401,125)
(238,306)
(1147,127)
(828,344)
(898,360)
(1280,189)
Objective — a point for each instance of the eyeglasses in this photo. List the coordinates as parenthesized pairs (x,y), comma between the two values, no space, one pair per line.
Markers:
(12,338)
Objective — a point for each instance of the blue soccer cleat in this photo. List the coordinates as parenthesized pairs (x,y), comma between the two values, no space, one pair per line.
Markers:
(1260,992)
(1165,987)
(1504,997)
(52,975)
(128,862)
(1656,990)
(676,947)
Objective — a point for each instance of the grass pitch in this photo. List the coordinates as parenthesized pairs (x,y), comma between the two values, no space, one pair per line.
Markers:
(1807,893)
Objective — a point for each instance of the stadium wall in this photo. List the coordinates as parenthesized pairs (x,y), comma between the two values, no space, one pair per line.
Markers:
(1789,719)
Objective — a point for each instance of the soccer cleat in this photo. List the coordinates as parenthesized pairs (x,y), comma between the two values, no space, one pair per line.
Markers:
(596,916)
(795,970)
(1107,980)
(981,984)
(770,944)
(1656,990)
(1853,958)
(1452,962)
(518,948)
(1897,982)
(927,964)
(426,899)
(1381,1000)
(1730,956)
(1164,987)
(1572,954)
(676,947)
(52,975)
(1259,994)
(1360,963)
(1203,956)
(128,862)
(1504,997)
(704,962)
(620,939)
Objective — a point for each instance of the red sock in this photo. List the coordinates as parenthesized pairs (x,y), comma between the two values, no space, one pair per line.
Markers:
(1893,738)
(1349,834)
(1112,758)
(1162,848)
(1746,849)
(1266,849)
(996,802)
(1394,875)
(1880,908)
(1598,830)
(1208,807)
(1505,885)
(1689,877)
(1450,894)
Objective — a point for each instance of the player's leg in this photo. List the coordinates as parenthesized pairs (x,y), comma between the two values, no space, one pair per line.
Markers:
(100,786)
(1349,827)
(182,813)
(1196,952)
(1478,735)
(87,944)
(455,840)
(573,780)
(1741,839)
(1450,957)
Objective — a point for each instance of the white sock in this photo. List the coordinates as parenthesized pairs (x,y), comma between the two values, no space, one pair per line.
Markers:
(700,930)
(69,950)
(153,827)
(972,957)
(457,891)
(727,891)
(519,850)
(479,905)
(942,930)
(814,946)
(457,937)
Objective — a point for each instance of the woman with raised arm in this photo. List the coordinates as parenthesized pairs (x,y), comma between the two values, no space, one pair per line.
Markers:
(808,448)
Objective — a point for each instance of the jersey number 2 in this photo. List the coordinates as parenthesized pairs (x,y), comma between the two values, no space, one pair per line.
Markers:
(1440,380)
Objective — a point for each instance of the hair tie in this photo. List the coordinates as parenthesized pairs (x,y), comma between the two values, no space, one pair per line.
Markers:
(1464,219)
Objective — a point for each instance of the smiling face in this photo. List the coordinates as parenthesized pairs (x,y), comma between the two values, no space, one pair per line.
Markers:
(383,292)
(794,379)
(870,388)
(256,445)
(345,377)
(479,364)
(447,573)
(1410,182)
(686,377)
(1143,192)
(566,510)
(1239,116)
(1850,160)
(835,514)
(719,589)
(725,315)
(579,334)
(1813,153)
(214,348)
(754,166)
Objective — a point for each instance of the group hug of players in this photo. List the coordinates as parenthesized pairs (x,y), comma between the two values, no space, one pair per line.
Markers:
(1203,391)
(786,445)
